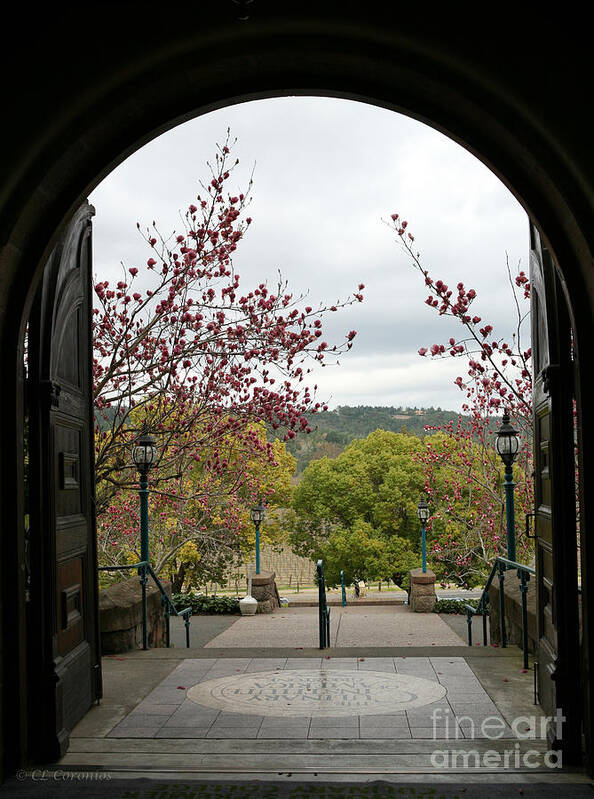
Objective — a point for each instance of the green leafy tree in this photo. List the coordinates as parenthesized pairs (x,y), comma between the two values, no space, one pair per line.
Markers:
(373,487)
(363,554)
(358,551)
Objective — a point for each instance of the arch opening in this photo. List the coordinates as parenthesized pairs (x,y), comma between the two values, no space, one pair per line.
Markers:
(535,168)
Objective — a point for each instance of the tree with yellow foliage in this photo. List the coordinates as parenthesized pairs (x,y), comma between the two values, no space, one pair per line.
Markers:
(199,505)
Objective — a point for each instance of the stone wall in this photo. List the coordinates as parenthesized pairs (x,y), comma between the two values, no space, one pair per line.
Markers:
(513,612)
(120,616)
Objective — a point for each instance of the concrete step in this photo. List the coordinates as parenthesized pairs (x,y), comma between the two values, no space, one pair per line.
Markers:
(305,746)
(308,602)
(259,757)
(182,653)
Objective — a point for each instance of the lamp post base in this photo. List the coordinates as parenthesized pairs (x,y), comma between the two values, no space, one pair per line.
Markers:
(422,591)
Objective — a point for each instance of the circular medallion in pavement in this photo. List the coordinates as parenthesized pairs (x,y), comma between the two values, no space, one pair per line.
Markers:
(319,692)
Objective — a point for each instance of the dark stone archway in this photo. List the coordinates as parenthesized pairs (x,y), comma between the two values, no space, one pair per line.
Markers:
(80,94)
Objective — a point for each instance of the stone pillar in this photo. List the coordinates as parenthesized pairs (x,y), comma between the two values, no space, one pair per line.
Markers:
(422,590)
(264,590)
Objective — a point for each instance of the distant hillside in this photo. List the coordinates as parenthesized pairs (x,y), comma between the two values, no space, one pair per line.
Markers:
(333,430)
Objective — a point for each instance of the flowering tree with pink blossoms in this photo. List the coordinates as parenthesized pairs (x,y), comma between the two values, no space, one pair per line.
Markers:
(463,474)
(181,347)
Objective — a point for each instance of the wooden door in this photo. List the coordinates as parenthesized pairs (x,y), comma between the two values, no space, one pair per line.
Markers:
(63,637)
(558,654)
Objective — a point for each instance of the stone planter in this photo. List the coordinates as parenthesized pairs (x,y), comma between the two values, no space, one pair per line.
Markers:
(248,606)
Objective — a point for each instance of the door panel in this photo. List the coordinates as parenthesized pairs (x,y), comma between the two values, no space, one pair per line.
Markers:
(558,654)
(62,624)
(70,605)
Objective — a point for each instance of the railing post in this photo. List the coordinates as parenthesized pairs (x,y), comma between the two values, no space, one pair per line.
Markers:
(502,569)
(321,628)
(484,625)
(469,625)
(344,600)
(323,611)
(187,626)
(167,611)
(524,577)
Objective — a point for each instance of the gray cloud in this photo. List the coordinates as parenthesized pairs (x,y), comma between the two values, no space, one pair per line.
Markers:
(326,173)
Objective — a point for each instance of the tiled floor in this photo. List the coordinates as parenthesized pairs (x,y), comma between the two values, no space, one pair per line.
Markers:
(167,712)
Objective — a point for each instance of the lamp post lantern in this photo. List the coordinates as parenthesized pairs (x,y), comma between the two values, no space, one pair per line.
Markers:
(507,444)
(144,455)
(423,514)
(257,516)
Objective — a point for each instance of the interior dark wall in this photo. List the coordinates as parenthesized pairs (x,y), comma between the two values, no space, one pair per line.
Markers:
(82,88)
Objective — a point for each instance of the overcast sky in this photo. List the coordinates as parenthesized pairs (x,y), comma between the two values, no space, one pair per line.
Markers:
(327,172)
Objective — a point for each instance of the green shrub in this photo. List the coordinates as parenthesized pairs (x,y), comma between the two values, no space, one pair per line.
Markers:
(454,605)
(206,604)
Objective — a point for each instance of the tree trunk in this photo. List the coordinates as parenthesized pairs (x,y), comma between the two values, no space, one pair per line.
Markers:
(177,580)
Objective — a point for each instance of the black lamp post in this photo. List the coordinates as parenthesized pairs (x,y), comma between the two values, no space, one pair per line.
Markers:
(257,516)
(144,456)
(423,514)
(507,444)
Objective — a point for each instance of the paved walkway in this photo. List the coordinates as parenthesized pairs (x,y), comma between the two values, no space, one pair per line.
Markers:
(259,701)
(306,698)
(386,625)
(295,716)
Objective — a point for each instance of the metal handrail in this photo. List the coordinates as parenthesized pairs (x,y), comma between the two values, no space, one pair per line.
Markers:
(169,608)
(323,609)
(512,564)
(500,567)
